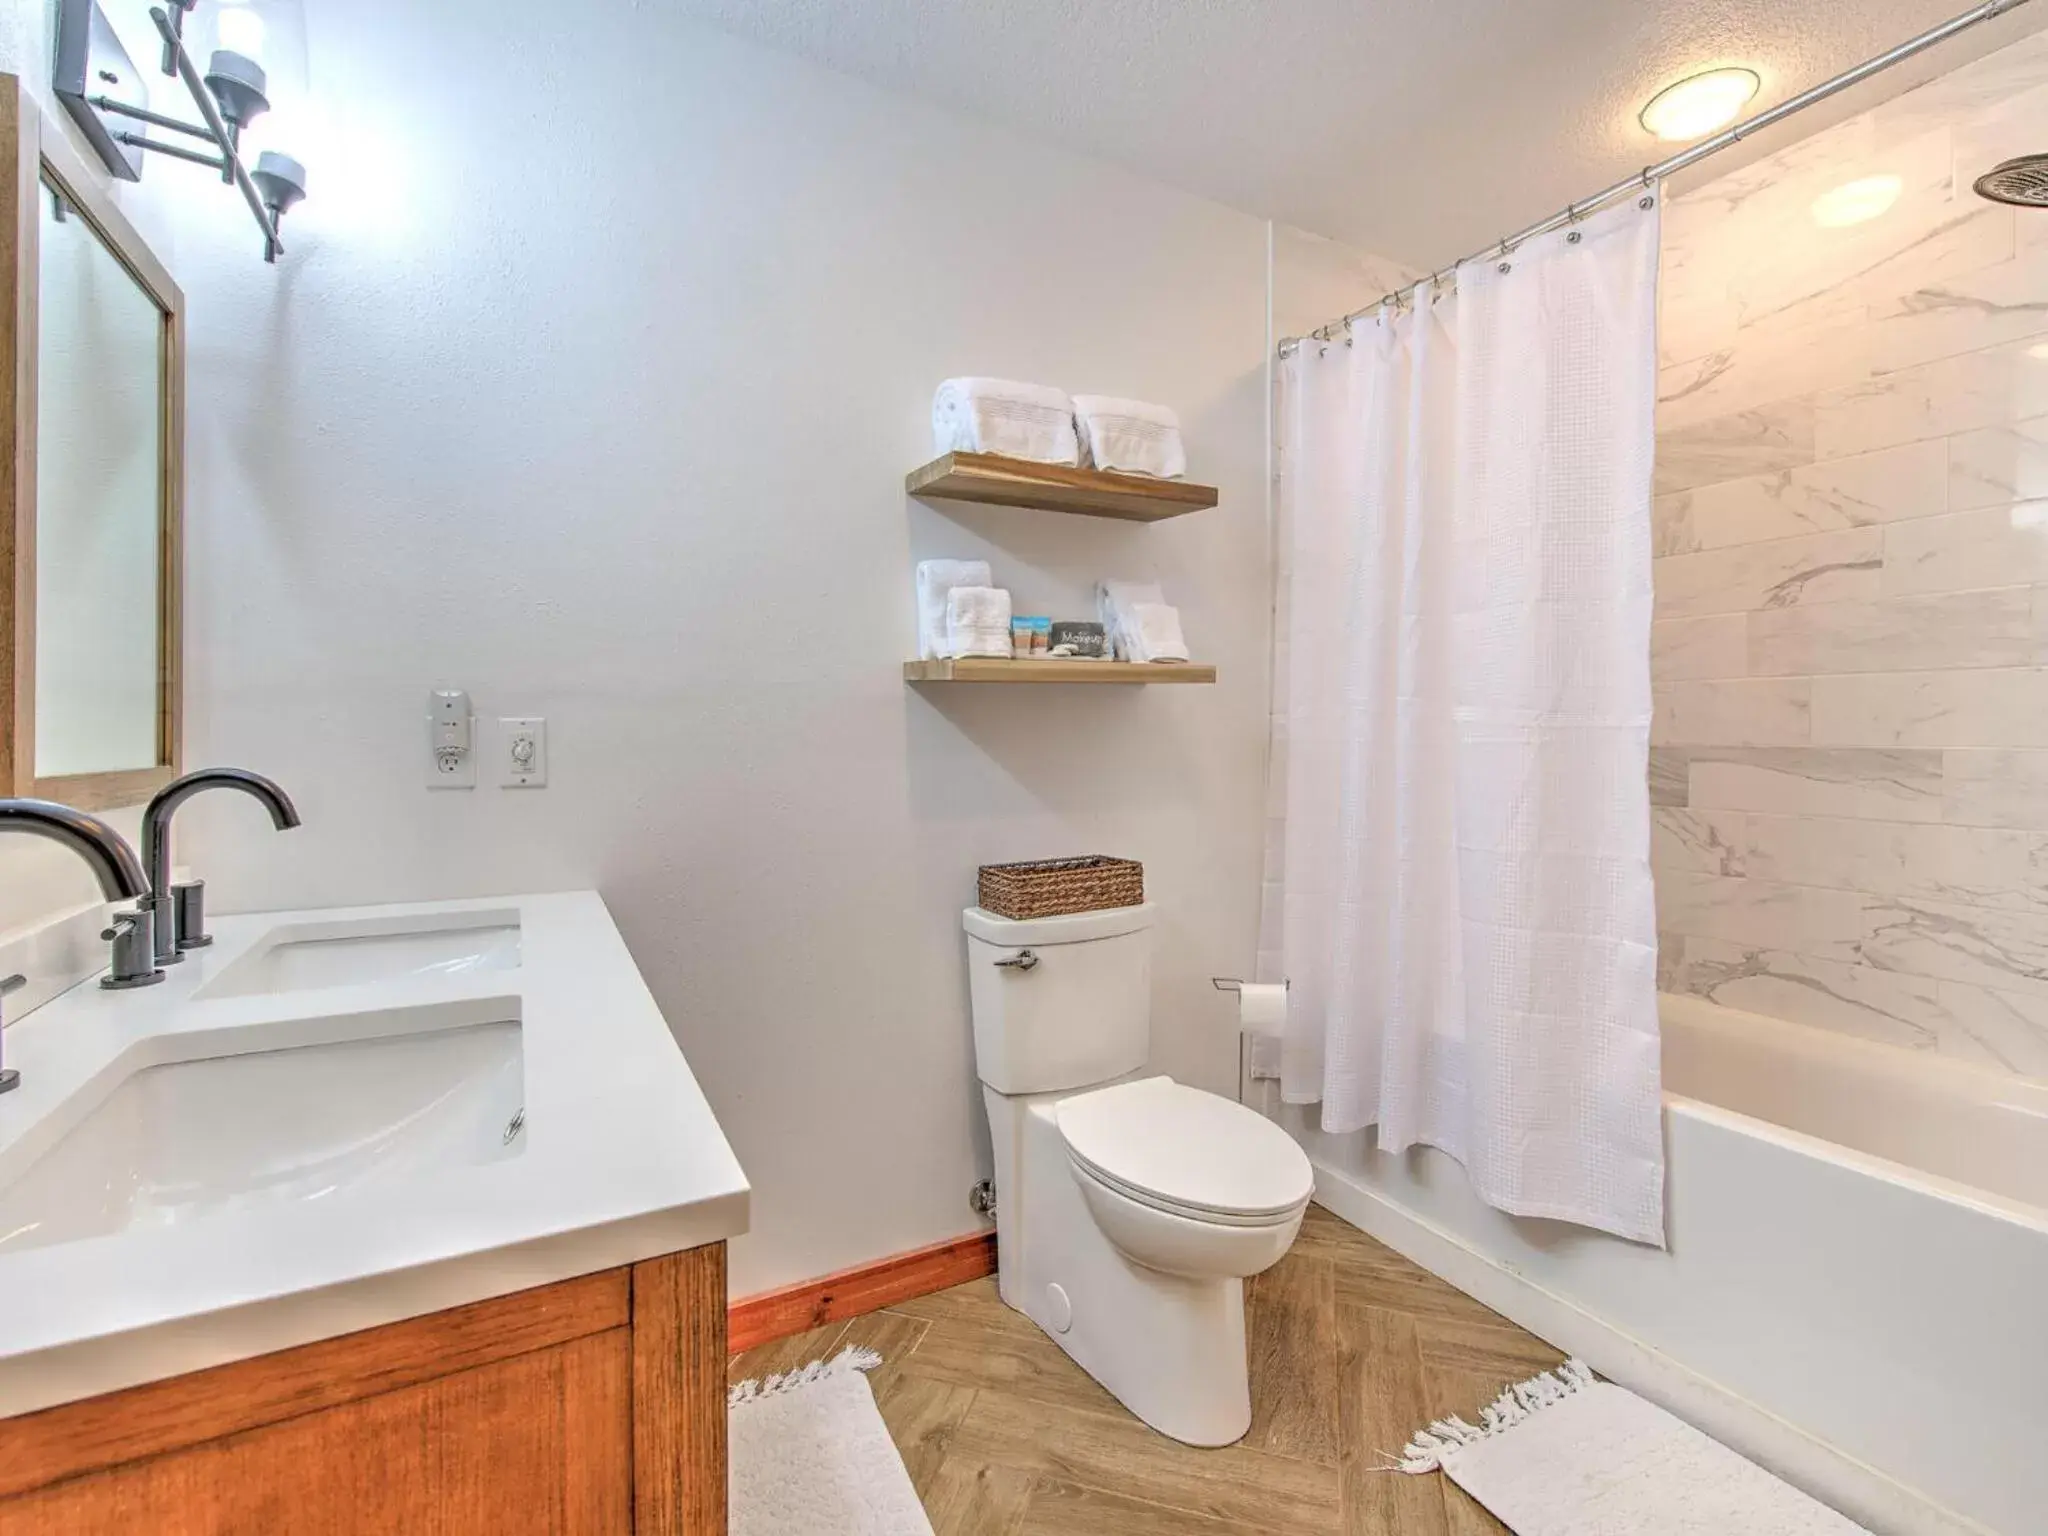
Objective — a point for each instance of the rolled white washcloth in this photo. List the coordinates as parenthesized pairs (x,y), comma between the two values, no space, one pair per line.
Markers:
(1023,421)
(1113,603)
(978,622)
(1131,435)
(1153,630)
(935,578)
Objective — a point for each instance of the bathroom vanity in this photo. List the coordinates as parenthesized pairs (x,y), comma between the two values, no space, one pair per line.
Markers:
(397,1218)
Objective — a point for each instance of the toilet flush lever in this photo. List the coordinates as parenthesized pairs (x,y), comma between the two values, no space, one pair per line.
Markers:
(1023,960)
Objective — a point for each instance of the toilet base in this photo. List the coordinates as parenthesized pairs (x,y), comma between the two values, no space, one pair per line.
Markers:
(1169,1348)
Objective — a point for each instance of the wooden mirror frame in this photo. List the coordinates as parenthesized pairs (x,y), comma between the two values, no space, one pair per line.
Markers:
(33,149)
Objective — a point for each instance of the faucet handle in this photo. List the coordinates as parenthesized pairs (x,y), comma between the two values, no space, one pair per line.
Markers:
(133,936)
(188,915)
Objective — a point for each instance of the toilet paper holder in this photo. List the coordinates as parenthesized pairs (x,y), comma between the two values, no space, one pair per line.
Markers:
(1236,983)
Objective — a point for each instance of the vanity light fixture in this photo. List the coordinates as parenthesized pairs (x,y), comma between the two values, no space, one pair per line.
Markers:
(107,96)
(1857,202)
(1700,104)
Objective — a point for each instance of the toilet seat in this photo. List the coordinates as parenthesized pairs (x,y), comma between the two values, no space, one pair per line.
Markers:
(1188,1153)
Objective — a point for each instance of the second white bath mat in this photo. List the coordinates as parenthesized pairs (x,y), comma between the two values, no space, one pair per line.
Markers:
(1565,1455)
(810,1456)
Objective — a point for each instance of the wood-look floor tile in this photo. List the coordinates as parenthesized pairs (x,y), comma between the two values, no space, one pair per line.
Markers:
(1381,1402)
(779,1355)
(1061,1509)
(1017,1358)
(1389,1283)
(1496,1352)
(893,1337)
(975,1304)
(969,1498)
(1326,1236)
(1352,1348)
(1463,1369)
(923,1417)
(1116,1453)
(1465,1515)
(1370,1274)
(1291,1341)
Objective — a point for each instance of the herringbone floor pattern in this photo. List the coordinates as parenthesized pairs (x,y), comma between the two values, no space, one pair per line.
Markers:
(1352,1347)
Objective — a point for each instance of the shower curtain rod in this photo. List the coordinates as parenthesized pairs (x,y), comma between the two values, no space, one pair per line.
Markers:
(1650,174)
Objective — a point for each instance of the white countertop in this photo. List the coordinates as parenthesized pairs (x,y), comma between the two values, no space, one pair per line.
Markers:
(623,1161)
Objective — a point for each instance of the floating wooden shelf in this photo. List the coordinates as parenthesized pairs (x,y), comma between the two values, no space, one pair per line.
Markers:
(998,481)
(988,669)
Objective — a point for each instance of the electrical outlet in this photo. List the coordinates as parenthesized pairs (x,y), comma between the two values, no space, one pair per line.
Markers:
(451,749)
(523,752)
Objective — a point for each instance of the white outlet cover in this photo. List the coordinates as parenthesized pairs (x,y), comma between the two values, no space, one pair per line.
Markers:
(446,772)
(523,752)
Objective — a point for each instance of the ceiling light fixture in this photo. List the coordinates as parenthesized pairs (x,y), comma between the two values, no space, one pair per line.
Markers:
(1857,202)
(1699,104)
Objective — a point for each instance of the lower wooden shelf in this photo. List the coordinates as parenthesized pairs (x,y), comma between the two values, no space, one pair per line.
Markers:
(989,669)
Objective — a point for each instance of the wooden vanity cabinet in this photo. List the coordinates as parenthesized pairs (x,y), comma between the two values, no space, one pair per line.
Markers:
(591,1405)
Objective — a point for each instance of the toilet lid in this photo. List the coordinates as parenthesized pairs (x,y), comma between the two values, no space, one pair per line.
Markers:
(1186,1148)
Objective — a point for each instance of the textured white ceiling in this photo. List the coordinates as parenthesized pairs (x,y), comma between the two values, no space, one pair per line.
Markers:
(1415,128)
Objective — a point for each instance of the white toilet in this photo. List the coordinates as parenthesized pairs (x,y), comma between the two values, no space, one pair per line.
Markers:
(1129,1209)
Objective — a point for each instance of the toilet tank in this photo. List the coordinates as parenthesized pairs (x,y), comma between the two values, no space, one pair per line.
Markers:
(1076,1012)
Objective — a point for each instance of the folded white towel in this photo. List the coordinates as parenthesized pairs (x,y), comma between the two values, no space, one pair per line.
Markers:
(1024,421)
(977,622)
(935,578)
(1114,601)
(1154,633)
(1130,435)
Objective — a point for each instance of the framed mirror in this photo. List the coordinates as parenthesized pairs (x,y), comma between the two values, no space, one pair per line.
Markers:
(91,505)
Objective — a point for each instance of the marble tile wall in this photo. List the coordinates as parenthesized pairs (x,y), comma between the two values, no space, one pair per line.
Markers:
(1849,774)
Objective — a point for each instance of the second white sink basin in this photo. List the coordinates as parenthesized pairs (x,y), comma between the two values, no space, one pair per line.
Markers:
(299,956)
(186,1139)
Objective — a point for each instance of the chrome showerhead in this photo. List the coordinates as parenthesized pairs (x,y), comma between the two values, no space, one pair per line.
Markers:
(2022,182)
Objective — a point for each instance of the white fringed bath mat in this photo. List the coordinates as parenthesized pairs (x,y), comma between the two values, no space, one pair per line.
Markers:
(810,1456)
(1565,1455)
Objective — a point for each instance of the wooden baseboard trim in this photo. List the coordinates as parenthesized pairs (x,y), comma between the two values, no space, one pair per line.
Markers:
(855,1292)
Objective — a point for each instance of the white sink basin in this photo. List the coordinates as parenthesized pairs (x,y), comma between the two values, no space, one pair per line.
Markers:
(180,1141)
(300,956)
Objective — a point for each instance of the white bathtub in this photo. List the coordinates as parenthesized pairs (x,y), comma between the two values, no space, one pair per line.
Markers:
(1856,1290)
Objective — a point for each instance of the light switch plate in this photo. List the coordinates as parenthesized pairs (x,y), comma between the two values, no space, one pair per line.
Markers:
(523,752)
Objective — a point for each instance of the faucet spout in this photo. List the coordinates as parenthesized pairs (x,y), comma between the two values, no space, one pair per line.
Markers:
(156,845)
(113,863)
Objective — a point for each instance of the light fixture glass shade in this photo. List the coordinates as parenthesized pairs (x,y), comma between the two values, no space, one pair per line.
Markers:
(270,32)
(1700,104)
(1857,202)
(240,29)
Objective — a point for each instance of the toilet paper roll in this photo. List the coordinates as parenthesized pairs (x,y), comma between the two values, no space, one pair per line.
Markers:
(1262,1008)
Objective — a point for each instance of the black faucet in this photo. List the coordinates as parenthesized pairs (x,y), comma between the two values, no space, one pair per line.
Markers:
(180,911)
(113,864)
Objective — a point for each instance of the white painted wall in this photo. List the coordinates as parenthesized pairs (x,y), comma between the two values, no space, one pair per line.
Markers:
(602,414)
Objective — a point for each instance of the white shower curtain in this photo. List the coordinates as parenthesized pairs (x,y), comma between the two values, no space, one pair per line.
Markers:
(1462,727)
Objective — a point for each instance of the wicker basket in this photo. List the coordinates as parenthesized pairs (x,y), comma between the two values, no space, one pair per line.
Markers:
(1055,887)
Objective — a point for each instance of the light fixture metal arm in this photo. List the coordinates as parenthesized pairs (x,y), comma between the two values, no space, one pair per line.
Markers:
(154,119)
(181,65)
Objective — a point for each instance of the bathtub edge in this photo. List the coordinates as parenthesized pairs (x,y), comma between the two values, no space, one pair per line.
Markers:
(1867,1495)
